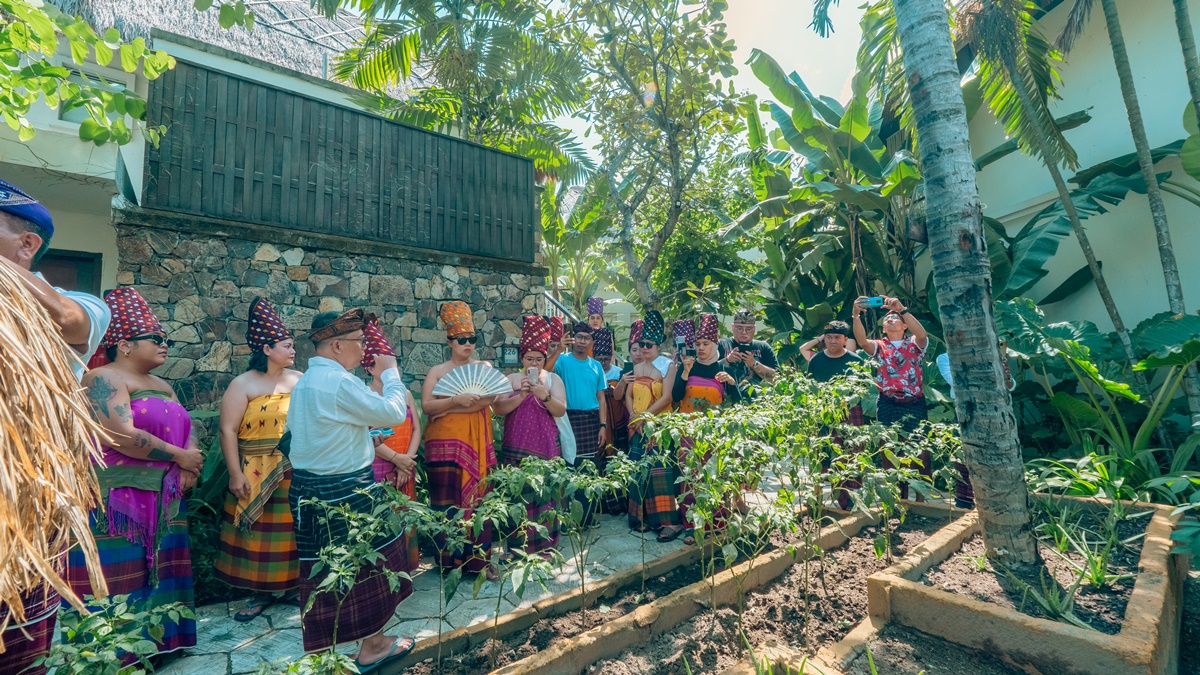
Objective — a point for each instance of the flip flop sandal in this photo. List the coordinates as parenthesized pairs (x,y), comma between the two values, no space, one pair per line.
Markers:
(665,536)
(393,655)
(291,600)
(261,604)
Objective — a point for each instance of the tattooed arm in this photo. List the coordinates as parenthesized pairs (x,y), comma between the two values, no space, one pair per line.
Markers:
(109,397)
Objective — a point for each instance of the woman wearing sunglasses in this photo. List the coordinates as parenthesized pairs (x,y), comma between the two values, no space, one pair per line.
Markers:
(652,503)
(152,457)
(458,442)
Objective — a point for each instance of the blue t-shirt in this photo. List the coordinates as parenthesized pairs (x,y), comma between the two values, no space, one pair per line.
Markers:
(583,379)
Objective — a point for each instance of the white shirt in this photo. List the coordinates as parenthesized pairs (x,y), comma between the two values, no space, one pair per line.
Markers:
(99,317)
(330,414)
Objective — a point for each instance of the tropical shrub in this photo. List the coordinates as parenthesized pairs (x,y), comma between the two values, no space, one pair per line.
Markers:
(94,644)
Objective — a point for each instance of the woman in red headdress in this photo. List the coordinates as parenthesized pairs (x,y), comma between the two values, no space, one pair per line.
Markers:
(151,458)
(530,430)
(258,538)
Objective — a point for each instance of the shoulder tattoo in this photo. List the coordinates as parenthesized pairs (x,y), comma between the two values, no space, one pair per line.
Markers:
(99,392)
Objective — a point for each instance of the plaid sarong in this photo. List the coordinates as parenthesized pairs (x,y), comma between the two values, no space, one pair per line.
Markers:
(654,502)
(371,603)
(585,424)
(907,415)
(263,557)
(27,642)
(125,570)
(445,493)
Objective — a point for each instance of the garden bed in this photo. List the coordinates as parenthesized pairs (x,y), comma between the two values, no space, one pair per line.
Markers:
(1101,608)
(1146,639)
(711,641)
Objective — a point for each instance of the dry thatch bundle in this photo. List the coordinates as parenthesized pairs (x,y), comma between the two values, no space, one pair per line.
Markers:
(47,441)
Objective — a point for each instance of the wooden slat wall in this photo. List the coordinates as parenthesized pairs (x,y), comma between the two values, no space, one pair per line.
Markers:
(242,150)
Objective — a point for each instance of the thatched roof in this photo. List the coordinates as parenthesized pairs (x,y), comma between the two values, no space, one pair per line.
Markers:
(288,33)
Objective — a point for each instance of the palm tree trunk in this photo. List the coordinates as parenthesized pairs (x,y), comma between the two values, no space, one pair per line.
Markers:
(1064,195)
(961,272)
(1158,211)
(1188,41)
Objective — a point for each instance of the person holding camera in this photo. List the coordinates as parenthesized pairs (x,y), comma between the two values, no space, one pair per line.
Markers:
(898,373)
(749,361)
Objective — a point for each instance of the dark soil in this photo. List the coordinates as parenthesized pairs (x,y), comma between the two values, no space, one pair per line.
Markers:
(711,642)
(1189,637)
(525,643)
(902,651)
(1101,608)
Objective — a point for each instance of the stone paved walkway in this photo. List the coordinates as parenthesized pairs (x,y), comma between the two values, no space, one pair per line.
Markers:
(226,647)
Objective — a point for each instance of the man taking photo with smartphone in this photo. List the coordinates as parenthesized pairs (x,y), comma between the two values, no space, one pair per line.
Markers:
(749,361)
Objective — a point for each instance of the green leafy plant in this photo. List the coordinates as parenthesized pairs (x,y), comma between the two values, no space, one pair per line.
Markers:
(95,644)
(29,42)
(323,663)
(1057,602)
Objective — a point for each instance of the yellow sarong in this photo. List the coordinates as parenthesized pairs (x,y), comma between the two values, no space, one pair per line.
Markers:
(258,445)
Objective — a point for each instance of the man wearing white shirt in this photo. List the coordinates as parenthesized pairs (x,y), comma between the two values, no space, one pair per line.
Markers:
(329,419)
(82,319)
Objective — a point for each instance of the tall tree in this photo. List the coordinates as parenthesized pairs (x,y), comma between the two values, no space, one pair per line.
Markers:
(657,100)
(493,72)
(1074,27)
(1003,35)
(962,278)
(1187,40)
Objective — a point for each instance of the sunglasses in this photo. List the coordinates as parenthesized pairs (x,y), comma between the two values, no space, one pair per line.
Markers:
(646,344)
(153,337)
(464,340)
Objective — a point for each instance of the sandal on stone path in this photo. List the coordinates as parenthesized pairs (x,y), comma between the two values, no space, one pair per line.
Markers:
(668,535)
(291,598)
(392,655)
(255,607)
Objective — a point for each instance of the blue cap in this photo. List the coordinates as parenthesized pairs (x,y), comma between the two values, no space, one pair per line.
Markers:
(14,200)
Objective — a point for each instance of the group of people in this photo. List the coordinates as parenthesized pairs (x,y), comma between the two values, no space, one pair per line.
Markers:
(288,438)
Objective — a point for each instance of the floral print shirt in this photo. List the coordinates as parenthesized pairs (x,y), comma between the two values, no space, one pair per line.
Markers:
(899,374)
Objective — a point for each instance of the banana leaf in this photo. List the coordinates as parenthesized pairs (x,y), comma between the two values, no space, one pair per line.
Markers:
(1074,283)
(1125,165)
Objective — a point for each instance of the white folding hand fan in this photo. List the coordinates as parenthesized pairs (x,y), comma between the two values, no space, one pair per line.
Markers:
(473,378)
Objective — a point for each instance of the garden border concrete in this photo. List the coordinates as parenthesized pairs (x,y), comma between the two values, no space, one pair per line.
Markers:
(459,640)
(1147,644)
(575,654)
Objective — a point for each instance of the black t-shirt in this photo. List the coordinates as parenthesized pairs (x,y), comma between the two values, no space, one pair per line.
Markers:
(823,368)
(760,350)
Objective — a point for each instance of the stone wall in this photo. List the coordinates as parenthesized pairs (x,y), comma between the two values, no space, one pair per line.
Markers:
(201,285)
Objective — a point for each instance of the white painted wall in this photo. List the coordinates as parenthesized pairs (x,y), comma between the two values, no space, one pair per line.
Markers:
(1016,187)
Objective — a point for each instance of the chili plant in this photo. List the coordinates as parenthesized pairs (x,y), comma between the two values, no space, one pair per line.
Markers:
(94,644)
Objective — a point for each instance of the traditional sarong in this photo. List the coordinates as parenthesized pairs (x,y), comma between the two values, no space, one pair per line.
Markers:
(618,421)
(26,642)
(700,394)
(142,537)
(530,431)
(585,425)
(458,455)
(841,488)
(908,416)
(385,471)
(258,541)
(369,605)
(653,502)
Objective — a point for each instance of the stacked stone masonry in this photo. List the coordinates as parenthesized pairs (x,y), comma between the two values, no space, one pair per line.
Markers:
(201,287)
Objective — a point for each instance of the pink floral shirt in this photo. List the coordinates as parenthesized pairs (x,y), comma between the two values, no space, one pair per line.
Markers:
(899,374)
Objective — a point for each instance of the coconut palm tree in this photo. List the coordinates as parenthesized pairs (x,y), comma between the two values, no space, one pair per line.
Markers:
(489,71)
(1187,40)
(1076,22)
(961,272)
(1012,52)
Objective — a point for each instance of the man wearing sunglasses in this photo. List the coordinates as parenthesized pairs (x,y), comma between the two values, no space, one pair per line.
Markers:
(586,405)
(82,320)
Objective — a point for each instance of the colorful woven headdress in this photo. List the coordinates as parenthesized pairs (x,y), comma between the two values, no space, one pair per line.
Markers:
(709,328)
(603,342)
(131,316)
(580,327)
(595,305)
(264,328)
(556,328)
(457,317)
(14,200)
(375,343)
(686,329)
(655,328)
(743,316)
(535,335)
(347,322)
(635,331)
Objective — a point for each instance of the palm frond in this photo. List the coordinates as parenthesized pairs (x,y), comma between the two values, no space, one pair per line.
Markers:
(383,58)
(821,23)
(48,444)
(1077,20)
